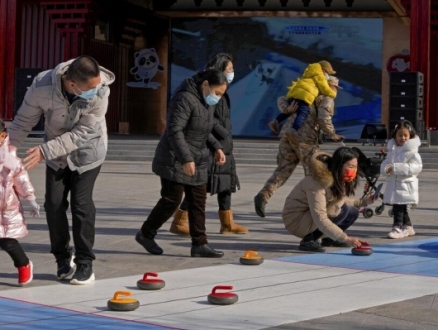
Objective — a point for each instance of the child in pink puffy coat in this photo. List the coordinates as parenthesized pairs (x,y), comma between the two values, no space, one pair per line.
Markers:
(14,183)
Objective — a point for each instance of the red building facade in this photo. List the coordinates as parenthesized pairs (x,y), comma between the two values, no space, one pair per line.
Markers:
(40,34)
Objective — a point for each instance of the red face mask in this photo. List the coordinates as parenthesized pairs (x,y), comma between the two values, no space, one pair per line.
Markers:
(350,174)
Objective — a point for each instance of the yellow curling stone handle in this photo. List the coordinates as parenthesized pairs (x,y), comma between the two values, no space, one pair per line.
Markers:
(251,255)
(118,300)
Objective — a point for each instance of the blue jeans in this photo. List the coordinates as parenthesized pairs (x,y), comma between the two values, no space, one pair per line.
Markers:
(282,117)
(347,217)
(302,113)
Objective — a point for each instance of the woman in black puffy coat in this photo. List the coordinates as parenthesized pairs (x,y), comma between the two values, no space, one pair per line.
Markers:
(182,159)
(223,179)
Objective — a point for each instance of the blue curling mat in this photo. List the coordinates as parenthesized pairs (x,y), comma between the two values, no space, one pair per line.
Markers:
(416,257)
(24,315)
(411,258)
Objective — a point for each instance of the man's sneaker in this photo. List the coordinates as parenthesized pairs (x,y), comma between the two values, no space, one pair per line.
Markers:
(396,232)
(260,204)
(409,231)
(83,275)
(65,269)
(25,274)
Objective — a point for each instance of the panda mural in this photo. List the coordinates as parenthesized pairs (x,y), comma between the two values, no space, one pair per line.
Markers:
(147,64)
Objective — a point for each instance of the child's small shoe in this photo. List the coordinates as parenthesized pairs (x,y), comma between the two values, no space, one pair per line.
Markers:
(274,126)
(25,274)
(396,232)
(409,230)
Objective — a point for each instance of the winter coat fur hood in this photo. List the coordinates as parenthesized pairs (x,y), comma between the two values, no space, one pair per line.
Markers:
(402,184)
(311,204)
(15,183)
(76,133)
(310,85)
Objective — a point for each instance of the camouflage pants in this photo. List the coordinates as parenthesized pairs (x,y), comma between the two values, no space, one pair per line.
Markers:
(287,160)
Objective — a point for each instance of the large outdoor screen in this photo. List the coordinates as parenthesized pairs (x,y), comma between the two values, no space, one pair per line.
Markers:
(269,53)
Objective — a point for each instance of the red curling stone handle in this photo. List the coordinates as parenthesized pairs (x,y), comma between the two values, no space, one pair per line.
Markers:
(145,276)
(221,287)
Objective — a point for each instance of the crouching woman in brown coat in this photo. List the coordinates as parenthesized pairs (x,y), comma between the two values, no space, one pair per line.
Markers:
(320,204)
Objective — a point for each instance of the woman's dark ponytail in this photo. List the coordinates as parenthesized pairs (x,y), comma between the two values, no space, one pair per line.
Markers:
(219,61)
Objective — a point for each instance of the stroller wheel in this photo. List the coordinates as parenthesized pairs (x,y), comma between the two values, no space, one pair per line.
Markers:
(379,209)
(390,213)
(367,213)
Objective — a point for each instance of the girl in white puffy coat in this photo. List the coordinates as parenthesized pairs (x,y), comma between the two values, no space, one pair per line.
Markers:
(14,183)
(401,167)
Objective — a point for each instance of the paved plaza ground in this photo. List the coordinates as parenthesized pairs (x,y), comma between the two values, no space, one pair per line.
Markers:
(126,192)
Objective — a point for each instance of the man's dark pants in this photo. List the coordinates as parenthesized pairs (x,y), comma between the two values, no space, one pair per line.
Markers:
(80,186)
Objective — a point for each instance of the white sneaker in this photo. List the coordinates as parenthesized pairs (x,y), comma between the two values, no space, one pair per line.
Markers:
(409,230)
(397,232)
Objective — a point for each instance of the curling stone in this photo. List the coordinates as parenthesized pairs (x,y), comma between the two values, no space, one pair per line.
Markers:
(223,298)
(150,284)
(123,304)
(364,250)
(251,258)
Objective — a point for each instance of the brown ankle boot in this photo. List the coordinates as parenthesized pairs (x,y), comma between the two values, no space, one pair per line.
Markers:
(227,223)
(179,224)
(274,126)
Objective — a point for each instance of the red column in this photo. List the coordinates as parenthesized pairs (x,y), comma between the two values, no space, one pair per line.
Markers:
(7,57)
(10,58)
(67,46)
(74,45)
(71,44)
(433,79)
(3,7)
(420,46)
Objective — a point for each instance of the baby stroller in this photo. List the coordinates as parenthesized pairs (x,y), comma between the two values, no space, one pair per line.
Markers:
(369,168)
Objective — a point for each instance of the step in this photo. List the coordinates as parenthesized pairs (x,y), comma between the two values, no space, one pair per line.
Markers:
(246,151)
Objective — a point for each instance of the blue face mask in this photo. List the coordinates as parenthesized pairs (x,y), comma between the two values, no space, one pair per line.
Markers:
(230,76)
(211,99)
(88,95)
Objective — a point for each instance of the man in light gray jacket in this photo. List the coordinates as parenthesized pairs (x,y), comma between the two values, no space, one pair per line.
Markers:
(74,99)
